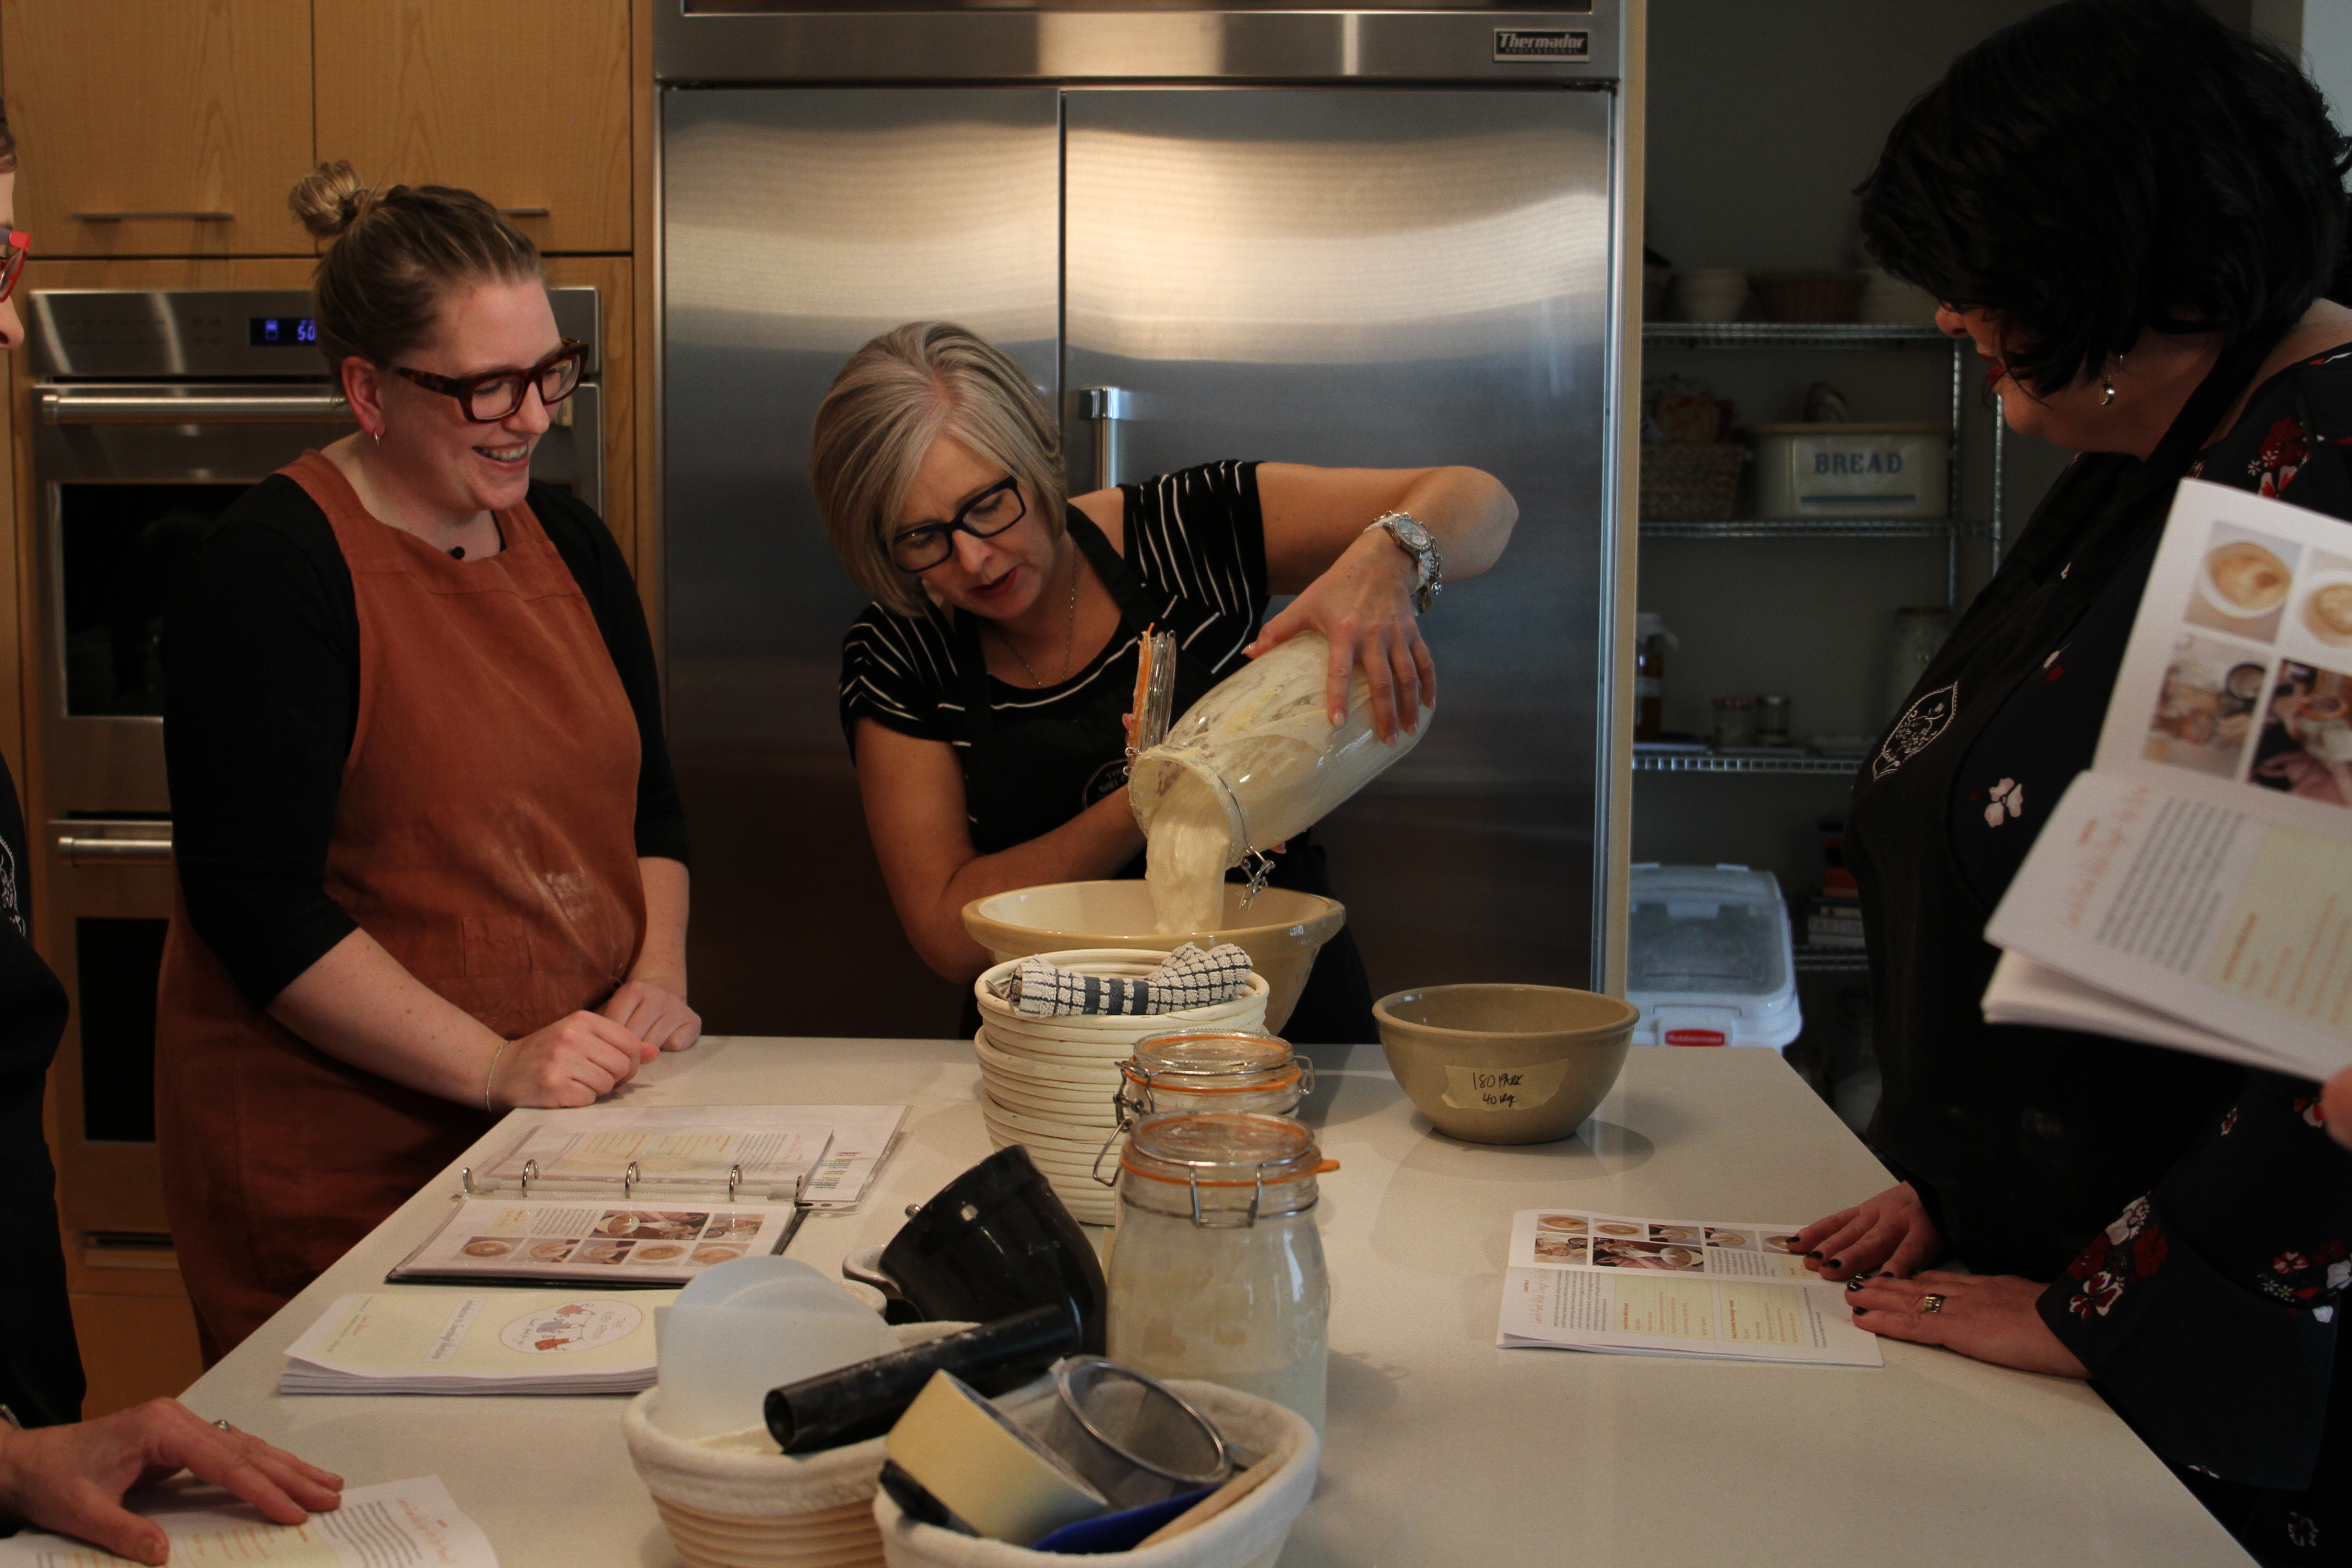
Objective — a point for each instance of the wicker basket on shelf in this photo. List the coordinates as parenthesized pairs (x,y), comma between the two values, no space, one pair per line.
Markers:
(1690,482)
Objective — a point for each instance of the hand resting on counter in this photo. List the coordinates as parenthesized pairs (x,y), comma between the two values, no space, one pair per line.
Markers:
(1988,1317)
(70,1479)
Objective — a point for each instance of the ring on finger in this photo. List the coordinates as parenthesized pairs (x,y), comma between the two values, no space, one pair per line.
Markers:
(1931,1302)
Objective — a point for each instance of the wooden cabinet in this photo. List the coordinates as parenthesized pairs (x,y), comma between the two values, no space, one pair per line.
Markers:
(526,101)
(159,127)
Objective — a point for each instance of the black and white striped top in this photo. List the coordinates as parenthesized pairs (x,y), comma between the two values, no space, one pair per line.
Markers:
(1196,539)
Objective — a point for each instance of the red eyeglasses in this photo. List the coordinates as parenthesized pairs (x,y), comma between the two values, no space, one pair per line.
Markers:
(12,264)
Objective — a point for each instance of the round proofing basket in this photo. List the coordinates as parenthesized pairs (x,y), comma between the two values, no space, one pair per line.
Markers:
(1250,1534)
(735,1502)
(1096,1037)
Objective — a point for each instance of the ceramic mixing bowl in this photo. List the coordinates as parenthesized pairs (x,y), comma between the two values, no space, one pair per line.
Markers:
(1504,1064)
(1280,930)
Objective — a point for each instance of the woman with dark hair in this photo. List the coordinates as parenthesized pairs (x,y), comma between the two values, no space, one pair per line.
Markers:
(431,859)
(2135,214)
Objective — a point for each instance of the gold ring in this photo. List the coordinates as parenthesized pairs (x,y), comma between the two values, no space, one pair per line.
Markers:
(1931,1302)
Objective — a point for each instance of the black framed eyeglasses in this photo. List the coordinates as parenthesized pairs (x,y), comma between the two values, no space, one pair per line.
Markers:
(495,395)
(984,516)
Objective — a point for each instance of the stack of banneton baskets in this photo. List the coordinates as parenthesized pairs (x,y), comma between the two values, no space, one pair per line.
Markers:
(1053,1082)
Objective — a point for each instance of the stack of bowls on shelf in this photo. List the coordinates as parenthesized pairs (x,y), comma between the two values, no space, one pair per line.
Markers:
(1053,1082)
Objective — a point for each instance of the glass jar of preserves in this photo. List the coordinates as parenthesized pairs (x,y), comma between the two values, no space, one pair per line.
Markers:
(1217,1272)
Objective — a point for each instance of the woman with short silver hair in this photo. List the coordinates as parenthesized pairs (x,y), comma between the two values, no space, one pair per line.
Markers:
(983,691)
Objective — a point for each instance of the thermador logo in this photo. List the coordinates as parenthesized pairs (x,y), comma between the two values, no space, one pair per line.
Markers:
(1512,44)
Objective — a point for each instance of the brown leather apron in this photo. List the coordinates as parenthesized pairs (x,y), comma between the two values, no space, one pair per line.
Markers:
(484,835)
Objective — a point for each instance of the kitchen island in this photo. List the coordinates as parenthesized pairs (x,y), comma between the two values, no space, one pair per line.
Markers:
(1441,1449)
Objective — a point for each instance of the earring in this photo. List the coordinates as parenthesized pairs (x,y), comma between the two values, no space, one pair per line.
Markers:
(2106,393)
(379,434)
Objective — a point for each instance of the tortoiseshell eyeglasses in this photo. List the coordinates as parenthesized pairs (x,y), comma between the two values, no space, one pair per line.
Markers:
(495,395)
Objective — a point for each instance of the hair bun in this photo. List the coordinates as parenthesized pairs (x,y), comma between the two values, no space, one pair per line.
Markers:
(330,199)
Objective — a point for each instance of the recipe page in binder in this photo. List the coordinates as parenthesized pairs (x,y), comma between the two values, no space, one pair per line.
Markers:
(650,1241)
(2200,868)
(1726,1290)
(836,1147)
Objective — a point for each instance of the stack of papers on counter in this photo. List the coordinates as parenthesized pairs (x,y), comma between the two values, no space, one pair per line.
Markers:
(404,1522)
(1719,1291)
(459,1342)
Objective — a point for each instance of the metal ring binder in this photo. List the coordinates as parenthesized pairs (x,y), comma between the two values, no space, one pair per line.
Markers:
(629,1179)
(529,1175)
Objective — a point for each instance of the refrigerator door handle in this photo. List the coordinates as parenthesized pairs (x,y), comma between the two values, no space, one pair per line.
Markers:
(1107,408)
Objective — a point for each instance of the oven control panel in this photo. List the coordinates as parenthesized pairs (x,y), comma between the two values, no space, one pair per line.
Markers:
(211,334)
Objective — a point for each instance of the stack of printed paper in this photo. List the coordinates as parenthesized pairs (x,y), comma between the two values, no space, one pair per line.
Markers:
(457,1342)
(1717,1289)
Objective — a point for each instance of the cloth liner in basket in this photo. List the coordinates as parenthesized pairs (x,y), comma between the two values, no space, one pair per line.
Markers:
(1250,1534)
(734,1501)
(1040,988)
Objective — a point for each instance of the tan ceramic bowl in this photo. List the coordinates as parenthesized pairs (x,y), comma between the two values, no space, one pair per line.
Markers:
(1504,1064)
(1280,931)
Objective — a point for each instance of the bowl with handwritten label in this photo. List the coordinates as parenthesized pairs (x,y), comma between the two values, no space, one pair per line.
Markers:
(1504,1064)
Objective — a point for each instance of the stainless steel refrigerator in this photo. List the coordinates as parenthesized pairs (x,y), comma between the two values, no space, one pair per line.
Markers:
(1379,237)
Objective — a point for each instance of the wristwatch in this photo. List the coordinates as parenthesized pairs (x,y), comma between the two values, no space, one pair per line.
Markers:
(1417,541)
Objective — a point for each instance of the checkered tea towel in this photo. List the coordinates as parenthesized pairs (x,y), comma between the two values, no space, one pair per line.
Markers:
(1191,978)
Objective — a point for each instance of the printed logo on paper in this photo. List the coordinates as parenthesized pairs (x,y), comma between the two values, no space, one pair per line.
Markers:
(1918,729)
(573,1326)
(1542,44)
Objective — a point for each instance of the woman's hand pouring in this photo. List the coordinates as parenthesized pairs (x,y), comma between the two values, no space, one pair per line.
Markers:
(1363,607)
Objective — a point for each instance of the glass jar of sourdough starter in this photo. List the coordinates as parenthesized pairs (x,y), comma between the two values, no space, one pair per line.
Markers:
(1218,1270)
(1253,762)
(1212,1069)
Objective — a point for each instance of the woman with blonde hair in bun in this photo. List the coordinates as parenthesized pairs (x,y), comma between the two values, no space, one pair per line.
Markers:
(431,859)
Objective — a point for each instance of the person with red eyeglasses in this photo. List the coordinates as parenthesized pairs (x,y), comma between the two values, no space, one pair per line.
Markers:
(58,1472)
(431,859)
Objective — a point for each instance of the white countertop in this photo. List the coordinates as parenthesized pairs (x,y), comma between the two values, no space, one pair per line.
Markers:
(1441,1449)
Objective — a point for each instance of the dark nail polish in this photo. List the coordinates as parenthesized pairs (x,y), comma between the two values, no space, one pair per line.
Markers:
(1834,1263)
(1858,1311)
(1813,1255)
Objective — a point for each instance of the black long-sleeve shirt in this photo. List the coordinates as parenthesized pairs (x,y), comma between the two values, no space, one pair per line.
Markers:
(261,670)
(40,1369)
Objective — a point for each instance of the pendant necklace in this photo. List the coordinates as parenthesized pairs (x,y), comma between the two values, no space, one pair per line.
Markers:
(1069,636)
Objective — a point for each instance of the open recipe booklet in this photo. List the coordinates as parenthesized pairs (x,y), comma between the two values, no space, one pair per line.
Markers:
(2194,888)
(404,1523)
(1715,1289)
(622,1198)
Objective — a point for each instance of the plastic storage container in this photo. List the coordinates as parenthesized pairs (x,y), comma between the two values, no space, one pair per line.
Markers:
(1708,958)
(1859,470)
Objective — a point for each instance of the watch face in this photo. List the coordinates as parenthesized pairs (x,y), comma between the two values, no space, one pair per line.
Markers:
(1409,530)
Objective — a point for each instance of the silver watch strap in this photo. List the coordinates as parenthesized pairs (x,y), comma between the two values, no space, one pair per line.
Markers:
(1428,559)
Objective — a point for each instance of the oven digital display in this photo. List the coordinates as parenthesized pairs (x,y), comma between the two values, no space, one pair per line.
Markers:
(283,331)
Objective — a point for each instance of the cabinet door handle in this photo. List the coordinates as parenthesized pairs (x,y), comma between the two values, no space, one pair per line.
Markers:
(522,212)
(79,851)
(118,218)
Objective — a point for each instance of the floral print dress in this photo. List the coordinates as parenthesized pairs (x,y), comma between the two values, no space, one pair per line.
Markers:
(2209,1311)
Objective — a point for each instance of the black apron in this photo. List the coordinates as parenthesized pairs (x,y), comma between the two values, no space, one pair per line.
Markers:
(1023,778)
(2024,1143)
